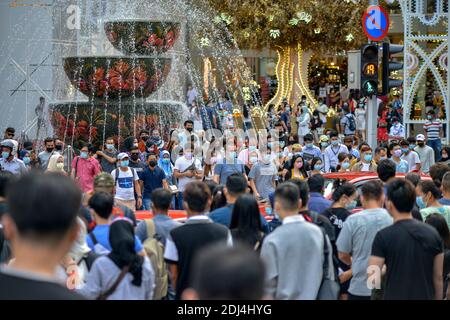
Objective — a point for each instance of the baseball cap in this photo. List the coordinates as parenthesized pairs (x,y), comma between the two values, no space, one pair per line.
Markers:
(104,180)
(122,156)
(420,137)
(324,138)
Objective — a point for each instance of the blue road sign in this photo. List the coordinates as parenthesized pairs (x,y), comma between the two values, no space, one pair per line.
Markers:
(375,23)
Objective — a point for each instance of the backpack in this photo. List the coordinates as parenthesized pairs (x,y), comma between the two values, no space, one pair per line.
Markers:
(155,252)
(133,172)
(351,123)
(89,259)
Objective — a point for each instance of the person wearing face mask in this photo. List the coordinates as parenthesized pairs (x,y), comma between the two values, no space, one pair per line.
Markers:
(426,154)
(262,176)
(409,155)
(397,129)
(187,169)
(310,151)
(348,142)
(445,155)
(136,163)
(323,143)
(366,164)
(331,152)
(380,154)
(229,165)
(396,152)
(143,137)
(108,156)
(157,140)
(344,201)
(127,184)
(56,164)
(434,133)
(153,178)
(45,155)
(25,156)
(297,169)
(344,162)
(8,161)
(428,195)
(85,168)
(303,119)
(316,166)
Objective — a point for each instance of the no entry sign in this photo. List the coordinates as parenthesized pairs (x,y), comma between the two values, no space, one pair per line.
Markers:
(375,23)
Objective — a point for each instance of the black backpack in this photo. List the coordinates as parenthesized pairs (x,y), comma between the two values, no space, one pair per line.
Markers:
(351,122)
(89,259)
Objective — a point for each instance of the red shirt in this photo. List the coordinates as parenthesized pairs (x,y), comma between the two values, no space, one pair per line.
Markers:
(85,170)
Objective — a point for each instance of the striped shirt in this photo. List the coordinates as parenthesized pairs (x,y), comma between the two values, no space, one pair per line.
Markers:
(433,129)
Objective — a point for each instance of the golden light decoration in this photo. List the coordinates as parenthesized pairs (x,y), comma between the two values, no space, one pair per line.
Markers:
(246,34)
(271,17)
(349,37)
(317,30)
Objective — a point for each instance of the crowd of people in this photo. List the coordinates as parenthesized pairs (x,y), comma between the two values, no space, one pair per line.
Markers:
(258,223)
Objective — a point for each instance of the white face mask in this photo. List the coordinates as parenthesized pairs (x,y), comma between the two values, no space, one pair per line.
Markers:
(60,165)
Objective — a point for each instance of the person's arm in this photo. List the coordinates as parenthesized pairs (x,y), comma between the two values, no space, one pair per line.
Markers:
(437,276)
(253,187)
(344,243)
(173,272)
(269,257)
(417,161)
(165,184)
(138,190)
(108,158)
(431,156)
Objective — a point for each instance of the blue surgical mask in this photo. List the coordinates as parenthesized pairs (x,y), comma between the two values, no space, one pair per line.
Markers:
(368,157)
(317,167)
(335,142)
(252,148)
(267,157)
(420,203)
(5,155)
(351,205)
(324,144)
(412,146)
(269,211)
(124,163)
(84,154)
(110,146)
(346,165)
(26,160)
(405,150)
(382,158)
(282,144)
(271,145)
(253,160)
(166,160)
(309,145)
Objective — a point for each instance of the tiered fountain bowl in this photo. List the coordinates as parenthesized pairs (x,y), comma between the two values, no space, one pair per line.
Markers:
(142,37)
(117,86)
(115,78)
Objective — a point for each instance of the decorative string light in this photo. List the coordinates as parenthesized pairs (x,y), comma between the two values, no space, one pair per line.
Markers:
(349,37)
(294,21)
(275,33)
(304,16)
(204,42)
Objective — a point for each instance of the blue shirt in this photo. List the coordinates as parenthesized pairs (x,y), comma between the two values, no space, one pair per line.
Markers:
(308,153)
(224,169)
(318,203)
(153,179)
(101,233)
(444,202)
(223,216)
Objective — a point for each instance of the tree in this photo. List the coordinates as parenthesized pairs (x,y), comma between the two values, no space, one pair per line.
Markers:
(297,30)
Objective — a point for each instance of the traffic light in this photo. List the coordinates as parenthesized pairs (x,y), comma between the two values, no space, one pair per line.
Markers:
(388,66)
(369,70)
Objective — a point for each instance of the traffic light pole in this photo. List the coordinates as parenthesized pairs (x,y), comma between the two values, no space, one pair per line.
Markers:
(372,110)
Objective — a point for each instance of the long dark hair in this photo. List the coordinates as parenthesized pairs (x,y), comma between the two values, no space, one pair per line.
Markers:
(342,187)
(438,222)
(302,169)
(246,220)
(218,198)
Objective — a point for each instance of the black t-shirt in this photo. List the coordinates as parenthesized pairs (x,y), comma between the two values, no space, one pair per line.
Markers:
(409,248)
(17,288)
(337,216)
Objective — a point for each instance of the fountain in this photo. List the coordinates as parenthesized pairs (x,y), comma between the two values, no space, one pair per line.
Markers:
(117,86)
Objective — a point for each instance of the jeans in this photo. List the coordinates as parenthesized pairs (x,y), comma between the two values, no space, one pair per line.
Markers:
(147,203)
(437,147)
(179,201)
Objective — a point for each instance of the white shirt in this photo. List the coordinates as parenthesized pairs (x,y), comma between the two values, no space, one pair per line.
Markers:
(293,219)
(181,165)
(365,167)
(125,184)
(412,158)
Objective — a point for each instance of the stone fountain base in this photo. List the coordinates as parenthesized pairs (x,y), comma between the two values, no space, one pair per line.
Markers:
(80,122)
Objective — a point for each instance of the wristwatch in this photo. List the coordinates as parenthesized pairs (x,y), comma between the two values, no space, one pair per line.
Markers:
(140,197)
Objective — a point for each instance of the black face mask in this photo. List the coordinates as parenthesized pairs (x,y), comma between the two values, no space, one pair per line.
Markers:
(190,129)
(144,138)
(49,149)
(59,147)
(134,157)
(152,163)
(421,144)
